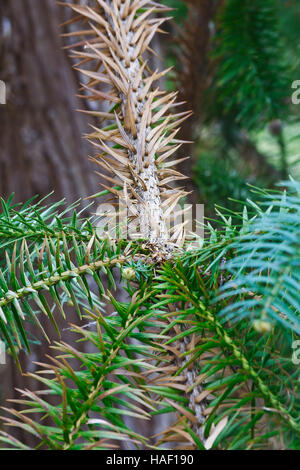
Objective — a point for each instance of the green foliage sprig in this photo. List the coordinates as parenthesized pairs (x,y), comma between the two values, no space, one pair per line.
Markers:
(252,80)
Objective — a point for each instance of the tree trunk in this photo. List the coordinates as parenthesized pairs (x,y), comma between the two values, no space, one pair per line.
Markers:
(195,77)
(41,146)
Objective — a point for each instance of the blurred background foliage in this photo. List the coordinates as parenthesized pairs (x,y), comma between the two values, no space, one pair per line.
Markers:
(235,63)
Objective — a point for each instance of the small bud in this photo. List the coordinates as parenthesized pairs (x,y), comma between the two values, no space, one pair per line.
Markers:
(128,274)
(262,326)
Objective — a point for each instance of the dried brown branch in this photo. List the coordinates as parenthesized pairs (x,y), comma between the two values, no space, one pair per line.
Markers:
(136,148)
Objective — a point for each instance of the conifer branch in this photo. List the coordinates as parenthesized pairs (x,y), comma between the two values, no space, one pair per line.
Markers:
(136,147)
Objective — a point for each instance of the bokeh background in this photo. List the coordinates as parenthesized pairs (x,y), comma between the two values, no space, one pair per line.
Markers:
(234,64)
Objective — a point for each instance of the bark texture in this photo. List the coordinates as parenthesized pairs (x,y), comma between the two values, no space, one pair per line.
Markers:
(41,146)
